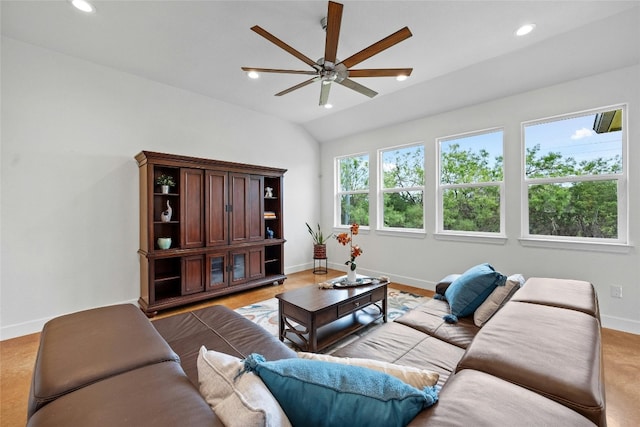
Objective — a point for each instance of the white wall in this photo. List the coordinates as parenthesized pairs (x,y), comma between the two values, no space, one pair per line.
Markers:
(422,261)
(69,188)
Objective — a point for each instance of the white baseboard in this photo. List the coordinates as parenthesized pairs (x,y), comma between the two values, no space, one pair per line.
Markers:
(621,324)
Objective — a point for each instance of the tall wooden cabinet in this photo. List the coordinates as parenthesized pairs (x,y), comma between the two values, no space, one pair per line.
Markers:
(225,229)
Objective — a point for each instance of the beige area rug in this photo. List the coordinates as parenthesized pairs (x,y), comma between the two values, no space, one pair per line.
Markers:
(265,314)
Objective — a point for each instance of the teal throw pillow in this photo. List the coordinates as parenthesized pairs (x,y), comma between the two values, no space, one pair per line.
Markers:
(468,292)
(319,393)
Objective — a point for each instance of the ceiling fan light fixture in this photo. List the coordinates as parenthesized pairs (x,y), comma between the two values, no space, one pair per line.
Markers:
(83,5)
(525,29)
(253,74)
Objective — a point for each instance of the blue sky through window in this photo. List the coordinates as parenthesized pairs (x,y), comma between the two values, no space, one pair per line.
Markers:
(574,137)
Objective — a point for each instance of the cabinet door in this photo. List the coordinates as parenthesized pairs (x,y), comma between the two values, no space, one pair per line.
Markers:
(191,202)
(216,201)
(217,271)
(255,211)
(256,263)
(239,266)
(247,207)
(192,274)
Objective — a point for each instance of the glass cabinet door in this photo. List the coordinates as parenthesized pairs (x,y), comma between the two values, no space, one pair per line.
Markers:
(239,267)
(217,271)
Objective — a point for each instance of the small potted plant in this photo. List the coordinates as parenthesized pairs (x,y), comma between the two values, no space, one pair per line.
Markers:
(319,242)
(165,181)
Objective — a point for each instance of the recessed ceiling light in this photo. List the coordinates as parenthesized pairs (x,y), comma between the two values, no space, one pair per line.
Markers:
(328,106)
(401,78)
(525,29)
(253,74)
(83,5)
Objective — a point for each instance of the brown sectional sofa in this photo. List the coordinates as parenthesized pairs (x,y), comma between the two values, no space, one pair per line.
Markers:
(536,362)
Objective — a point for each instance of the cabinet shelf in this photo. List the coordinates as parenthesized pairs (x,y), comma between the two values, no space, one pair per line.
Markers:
(168,222)
(166,278)
(167,194)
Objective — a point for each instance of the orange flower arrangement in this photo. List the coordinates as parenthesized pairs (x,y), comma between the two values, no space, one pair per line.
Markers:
(347,238)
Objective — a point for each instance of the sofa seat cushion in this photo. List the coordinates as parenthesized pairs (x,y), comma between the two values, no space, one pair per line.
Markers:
(81,348)
(158,395)
(428,318)
(399,344)
(473,398)
(552,351)
(221,329)
(572,294)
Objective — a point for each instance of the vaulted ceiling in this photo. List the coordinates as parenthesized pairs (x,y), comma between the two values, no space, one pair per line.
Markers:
(462,52)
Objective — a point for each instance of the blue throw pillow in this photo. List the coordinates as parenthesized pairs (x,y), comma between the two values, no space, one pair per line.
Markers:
(319,393)
(468,292)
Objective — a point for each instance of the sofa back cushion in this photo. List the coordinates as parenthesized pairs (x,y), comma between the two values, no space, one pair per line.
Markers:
(81,348)
(553,351)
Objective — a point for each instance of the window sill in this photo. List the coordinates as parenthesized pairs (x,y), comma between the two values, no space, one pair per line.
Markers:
(620,248)
(397,232)
(484,238)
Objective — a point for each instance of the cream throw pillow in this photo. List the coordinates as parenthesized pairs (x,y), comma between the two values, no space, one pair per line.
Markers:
(497,299)
(418,378)
(238,400)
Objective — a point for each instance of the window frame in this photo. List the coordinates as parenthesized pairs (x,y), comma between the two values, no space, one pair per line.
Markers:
(487,236)
(622,179)
(338,193)
(381,191)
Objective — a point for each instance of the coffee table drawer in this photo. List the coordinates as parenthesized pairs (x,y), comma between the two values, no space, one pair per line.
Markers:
(354,305)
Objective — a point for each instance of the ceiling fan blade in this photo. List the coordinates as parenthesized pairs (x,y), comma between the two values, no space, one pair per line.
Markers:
(334,18)
(298,86)
(381,72)
(273,39)
(378,47)
(324,93)
(358,88)
(273,70)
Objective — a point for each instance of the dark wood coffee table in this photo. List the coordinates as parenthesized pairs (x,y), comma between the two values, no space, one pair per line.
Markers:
(313,318)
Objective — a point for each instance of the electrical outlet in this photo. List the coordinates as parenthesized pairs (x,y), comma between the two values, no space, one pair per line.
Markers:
(616,291)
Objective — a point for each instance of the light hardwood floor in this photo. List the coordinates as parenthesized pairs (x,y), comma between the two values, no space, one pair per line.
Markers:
(621,358)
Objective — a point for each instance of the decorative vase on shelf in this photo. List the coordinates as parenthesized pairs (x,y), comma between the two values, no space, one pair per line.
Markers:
(165,189)
(351,275)
(164,242)
(165,216)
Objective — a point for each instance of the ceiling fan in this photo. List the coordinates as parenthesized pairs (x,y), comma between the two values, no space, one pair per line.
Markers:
(329,69)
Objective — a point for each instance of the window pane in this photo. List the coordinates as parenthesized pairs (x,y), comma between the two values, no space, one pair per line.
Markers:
(404,209)
(403,167)
(472,209)
(578,209)
(354,173)
(471,159)
(354,208)
(586,145)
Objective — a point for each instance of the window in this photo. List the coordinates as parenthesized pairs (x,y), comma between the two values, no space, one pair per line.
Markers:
(402,187)
(574,180)
(471,184)
(352,193)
